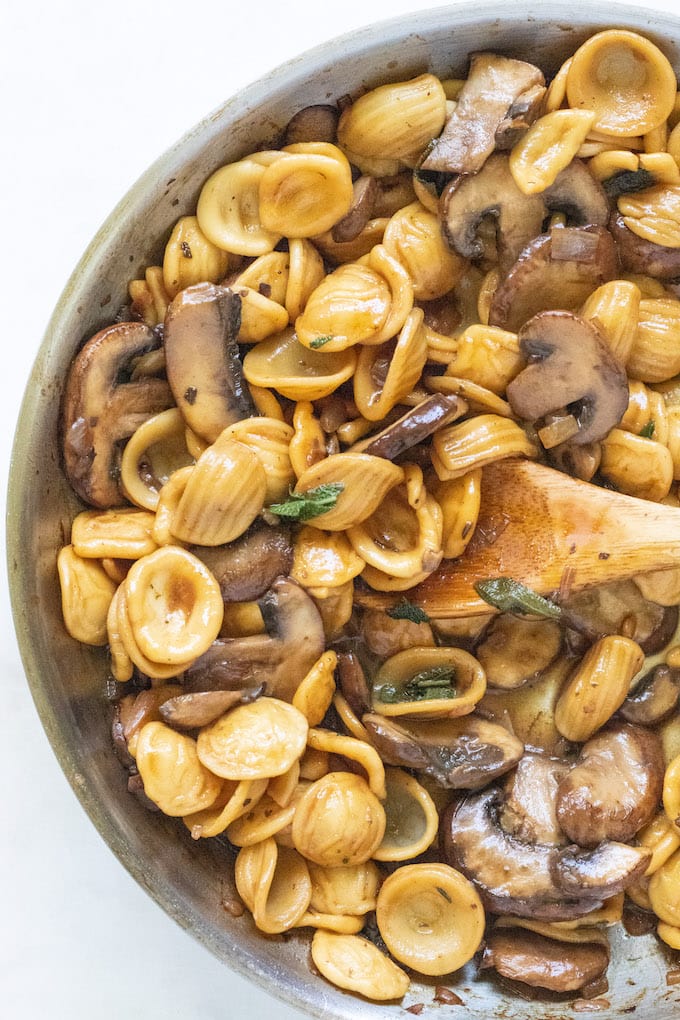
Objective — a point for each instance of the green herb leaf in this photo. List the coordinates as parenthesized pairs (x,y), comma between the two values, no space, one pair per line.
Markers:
(627,181)
(648,430)
(437,682)
(319,341)
(302,506)
(405,610)
(512,596)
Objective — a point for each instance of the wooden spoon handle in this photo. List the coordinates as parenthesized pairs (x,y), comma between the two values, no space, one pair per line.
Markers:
(546,529)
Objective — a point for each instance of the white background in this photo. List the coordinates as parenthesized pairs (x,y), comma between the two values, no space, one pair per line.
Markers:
(91,92)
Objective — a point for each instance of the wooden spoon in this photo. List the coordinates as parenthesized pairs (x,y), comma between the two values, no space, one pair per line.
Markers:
(547,530)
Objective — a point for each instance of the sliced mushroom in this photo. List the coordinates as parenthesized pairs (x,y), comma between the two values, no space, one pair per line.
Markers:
(190,711)
(353,683)
(556,270)
(102,408)
(542,962)
(246,568)
(202,359)
(416,425)
(515,650)
(497,92)
(620,608)
(531,879)
(470,199)
(654,698)
(579,195)
(318,123)
(365,193)
(461,754)
(529,805)
(512,876)
(569,366)
(614,788)
(605,871)
(280,658)
(638,255)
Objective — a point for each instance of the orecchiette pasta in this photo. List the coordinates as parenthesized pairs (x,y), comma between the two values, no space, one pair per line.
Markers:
(293,438)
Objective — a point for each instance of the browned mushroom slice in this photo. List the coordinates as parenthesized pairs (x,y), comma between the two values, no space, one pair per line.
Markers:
(470,199)
(556,270)
(543,962)
(202,359)
(619,608)
(528,810)
(603,872)
(460,754)
(353,683)
(246,568)
(317,123)
(569,366)
(413,427)
(512,876)
(189,711)
(638,255)
(365,193)
(614,788)
(101,408)
(654,698)
(515,650)
(280,658)
(494,85)
(521,115)
(579,195)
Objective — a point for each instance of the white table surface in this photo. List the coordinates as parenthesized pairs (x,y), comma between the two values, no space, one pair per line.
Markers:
(91,94)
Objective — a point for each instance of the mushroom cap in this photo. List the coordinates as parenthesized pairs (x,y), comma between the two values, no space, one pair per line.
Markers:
(614,788)
(559,270)
(569,366)
(202,359)
(247,567)
(579,195)
(457,753)
(499,91)
(638,255)
(280,658)
(101,409)
(469,198)
(512,876)
(542,962)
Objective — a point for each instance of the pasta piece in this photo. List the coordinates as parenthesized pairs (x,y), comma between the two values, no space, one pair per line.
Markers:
(428,683)
(355,964)
(269,439)
(412,818)
(223,494)
(295,371)
(86,595)
(174,778)
(315,694)
(174,606)
(393,121)
(191,258)
(274,884)
(624,79)
(306,191)
(430,917)
(124,534)
(548,147)
(385,375)
(254,741)
(154,451)
(228,209)
(598,687)
(338,821)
